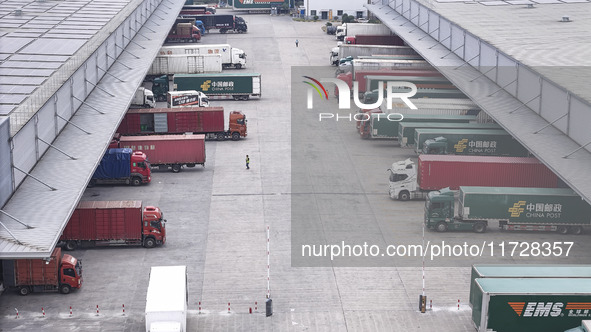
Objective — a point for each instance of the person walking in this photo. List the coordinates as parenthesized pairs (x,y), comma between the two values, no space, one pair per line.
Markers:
(297,42)
(247,162)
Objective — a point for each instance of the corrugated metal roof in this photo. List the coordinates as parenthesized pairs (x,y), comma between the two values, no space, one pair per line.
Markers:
(48,211)
(554,148)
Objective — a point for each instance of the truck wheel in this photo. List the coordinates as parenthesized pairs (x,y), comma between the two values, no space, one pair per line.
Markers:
(236,97)
(71,245)
(24,291)
(149,242)
(65,288)
(480,227)
(237,66)
(404,196)
(223,30)
(562,230)
(136,181)
(441,227)
(176,168)
(245,97)
(576,230)
(161,98)
(221,136)
(235,136)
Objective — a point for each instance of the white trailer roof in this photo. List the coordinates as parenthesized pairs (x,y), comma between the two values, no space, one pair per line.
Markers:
(167,290)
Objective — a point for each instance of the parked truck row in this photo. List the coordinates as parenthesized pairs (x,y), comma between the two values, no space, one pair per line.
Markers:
(215,86)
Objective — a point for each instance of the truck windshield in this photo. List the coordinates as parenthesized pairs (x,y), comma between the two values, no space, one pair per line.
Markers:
(156,224)
(78,268)
(240,121)
(397,177)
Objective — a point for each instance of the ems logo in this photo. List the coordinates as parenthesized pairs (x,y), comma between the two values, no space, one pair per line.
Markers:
(537,309)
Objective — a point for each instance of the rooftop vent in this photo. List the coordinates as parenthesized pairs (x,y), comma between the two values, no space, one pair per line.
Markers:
(530,5)
(565,19)
(18,12)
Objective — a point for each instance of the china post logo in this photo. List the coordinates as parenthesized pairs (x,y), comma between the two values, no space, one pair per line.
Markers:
(206,85)
(517,209)
(345,93)
(461,146)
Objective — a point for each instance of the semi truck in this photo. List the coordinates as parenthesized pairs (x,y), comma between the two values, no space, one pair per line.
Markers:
(360,76)
(224,23)
(231,56)
(406,130)
(185,64)
(221,86)
(57,273)
(386,126)
(183,32)
(143,98)
(122,166)
(355,51)
(193,21)
(392,40)
(196,10)
(166,299)
(526,271)
(169,151)
(114,223)
(531,209)
(531,304)
(189,98)
(476,142)
(196,120)
(435,172)
(353,29)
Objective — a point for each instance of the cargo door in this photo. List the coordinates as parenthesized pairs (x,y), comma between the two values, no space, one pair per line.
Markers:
(146,123)
(195,64)
(185,122)
(256,85)
(160,123)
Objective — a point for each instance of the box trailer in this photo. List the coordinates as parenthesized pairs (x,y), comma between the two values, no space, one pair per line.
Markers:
(526,271)
(531,304)
(221,86)
(143,98)
(231,56)
(365,39)
(169,151)
(183,32)
(114,223)
(476,142)
(353,29)
(185,64)
(57,273)
(386,126)
(222,22)
(196,120)
(522,209)
(435,172)
(166,299)
(189,98)
(406,130)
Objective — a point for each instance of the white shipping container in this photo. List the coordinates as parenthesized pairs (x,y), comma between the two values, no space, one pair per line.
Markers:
(230,56)
(186,64)
(166,301)
(354,29)
(346,50)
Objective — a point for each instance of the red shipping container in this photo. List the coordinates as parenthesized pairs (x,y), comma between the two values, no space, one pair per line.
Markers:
(392,40)
(36,271)
(361,74)
(177,120)
(168,149)
(436,172)
(103,221)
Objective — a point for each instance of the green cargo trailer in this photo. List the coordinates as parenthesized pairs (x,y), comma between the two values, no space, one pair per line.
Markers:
(383,128)
(530,304)
(526,271)
(216,86)
(529,209)
(406,132)
(475,142)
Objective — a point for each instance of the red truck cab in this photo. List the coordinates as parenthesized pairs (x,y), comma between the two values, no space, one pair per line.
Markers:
(237,125)
(154,228)
(70,273)
(364,121)
(141,166)
(350,40)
